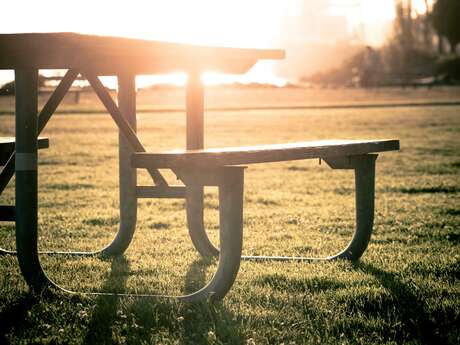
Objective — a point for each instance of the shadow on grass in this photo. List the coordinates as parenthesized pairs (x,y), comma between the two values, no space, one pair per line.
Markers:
(416,322)
(314,285)
(15,314)
(154,320)
(429,190)
(105,312)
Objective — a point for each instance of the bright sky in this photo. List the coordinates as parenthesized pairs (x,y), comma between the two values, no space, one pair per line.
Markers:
(234,23)
(364,11)
(239,23)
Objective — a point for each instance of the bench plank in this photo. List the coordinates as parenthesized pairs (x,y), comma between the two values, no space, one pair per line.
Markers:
(7,147)
(261,153)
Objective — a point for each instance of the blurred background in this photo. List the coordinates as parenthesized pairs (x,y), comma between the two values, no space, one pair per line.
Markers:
(351,43)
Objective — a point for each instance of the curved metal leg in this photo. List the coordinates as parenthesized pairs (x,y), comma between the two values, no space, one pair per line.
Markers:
(127,180)
(195,141)
(128,175)
(230,181)
(364,167)
(231,236)
(196,229)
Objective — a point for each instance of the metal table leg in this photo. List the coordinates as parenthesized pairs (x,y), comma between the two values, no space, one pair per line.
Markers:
(128,201)
(26,82)
(230,181)
(195,141)
(128,175)
(8,169)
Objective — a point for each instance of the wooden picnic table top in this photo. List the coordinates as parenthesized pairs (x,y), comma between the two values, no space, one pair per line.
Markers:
(106,55)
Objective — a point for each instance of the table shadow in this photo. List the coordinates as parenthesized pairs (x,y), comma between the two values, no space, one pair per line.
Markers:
(144,317)
(206,322)
(417,323)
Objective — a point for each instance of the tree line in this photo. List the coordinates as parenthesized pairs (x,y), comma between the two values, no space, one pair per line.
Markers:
(422,50)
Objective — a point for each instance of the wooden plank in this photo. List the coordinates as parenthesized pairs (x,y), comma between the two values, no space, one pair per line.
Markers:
(7,143)
(261,153)
(121,122)
(56,98)
(113,55)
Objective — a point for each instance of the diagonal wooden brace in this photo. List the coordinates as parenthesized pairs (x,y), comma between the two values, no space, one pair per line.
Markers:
(121,122)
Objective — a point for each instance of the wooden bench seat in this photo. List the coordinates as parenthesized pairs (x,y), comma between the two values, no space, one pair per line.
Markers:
(7,147)
(261,153)
(220,167)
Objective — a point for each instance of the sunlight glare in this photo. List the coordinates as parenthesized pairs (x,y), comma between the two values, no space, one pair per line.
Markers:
(236,23)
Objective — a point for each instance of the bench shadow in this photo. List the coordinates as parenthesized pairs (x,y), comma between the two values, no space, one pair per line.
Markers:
(417,323)
(105,313)
(191,323)
(206,322)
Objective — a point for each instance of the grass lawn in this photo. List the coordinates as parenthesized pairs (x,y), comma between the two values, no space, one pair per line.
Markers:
(405,289)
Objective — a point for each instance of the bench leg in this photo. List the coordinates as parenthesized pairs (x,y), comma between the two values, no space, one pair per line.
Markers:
(26,182)
(364,168)
(195,140)
(231,233)
(196,229)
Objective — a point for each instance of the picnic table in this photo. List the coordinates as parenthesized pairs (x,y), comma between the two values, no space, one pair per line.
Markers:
(93,56)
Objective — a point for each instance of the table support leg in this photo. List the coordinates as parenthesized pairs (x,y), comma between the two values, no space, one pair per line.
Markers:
(230,181)
(128,176)
(195,141)
(26,84)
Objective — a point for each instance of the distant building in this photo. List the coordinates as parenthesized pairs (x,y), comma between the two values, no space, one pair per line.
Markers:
(314,24)
(314,40)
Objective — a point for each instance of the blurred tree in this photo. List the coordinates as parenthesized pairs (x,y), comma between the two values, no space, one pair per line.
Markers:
(403,23)
(427,26)
(8,88)
(445,17)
